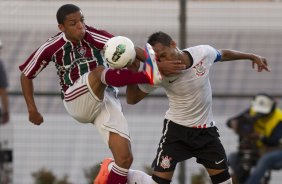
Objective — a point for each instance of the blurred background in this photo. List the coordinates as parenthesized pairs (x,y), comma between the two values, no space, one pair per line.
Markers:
(68,148)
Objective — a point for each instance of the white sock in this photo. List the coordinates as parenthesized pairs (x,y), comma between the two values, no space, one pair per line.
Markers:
(135,176)
(227,181)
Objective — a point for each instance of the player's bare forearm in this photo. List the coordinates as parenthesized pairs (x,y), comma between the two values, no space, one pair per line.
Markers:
(27,89)
(259,61)
(229,55)
(134,94)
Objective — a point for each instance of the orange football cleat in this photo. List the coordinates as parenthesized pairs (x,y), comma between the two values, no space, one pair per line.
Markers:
(103,174)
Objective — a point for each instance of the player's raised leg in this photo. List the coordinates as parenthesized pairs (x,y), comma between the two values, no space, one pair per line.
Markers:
(123,77)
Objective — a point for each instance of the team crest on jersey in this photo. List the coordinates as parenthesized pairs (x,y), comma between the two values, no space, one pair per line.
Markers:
(165,163)
(200,69)
(81,51)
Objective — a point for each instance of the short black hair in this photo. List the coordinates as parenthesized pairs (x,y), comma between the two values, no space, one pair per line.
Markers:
(65,10)
(160,37)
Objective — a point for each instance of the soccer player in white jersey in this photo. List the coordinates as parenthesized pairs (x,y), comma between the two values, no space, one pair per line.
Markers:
(189,129)
(84,79)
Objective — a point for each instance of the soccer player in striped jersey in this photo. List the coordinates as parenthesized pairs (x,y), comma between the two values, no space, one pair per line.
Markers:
(189,128)
(86,82)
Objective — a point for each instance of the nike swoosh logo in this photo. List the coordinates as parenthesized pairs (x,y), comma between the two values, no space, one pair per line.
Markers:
(219,162)
(171,81)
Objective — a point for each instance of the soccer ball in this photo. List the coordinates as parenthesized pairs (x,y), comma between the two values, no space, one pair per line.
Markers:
(119,52)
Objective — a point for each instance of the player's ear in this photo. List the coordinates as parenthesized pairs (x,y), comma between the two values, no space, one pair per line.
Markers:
(173,44)
(61,27)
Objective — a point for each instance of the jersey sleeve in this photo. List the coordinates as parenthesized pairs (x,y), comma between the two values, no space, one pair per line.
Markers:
(204,53)
(214,54)
(36,62)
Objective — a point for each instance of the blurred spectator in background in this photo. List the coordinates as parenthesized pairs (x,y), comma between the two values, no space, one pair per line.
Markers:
(4,110)
(260,141)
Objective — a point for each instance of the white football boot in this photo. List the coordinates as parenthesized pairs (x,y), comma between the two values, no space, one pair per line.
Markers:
(150,66)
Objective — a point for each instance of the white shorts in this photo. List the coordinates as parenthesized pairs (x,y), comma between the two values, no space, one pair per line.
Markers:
(84,106)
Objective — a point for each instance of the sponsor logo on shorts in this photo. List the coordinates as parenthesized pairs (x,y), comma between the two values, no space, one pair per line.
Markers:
(218,162)
(165,163)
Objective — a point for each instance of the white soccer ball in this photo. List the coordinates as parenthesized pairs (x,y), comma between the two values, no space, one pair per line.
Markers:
(119,52)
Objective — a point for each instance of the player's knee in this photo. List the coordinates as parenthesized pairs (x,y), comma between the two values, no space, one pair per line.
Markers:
(97,72)
(223,178)
(95,75)
(160,180)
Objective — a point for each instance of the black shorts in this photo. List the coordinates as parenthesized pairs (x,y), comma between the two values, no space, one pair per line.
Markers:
(180,143)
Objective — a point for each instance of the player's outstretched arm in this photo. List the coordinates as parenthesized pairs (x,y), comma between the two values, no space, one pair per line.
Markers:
(133,93)
(27,88)
(259,61)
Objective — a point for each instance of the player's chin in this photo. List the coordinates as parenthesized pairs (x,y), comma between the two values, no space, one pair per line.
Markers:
(81,35)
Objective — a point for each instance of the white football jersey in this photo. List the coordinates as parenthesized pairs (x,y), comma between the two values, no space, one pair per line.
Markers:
(189,93)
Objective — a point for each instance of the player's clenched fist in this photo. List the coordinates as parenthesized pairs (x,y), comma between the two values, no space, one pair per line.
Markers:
(35,117)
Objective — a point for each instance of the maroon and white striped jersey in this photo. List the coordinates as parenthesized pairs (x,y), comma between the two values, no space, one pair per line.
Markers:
(71,60)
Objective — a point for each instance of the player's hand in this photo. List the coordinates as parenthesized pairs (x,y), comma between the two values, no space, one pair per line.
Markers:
(35,117)
(5,118)
(261,63)
(168,68)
